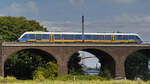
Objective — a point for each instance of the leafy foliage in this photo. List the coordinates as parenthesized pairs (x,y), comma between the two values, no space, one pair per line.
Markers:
(105,74)
(39,74)
(73,65)
(137,66)
(79,77)
(49,72)
(22,64)
(12,27)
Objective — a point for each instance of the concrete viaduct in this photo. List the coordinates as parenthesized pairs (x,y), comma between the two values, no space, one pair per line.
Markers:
(114,55)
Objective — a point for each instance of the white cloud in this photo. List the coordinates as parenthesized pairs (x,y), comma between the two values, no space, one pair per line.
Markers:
(132,23)
(61,26)
(2,15)
(33,7)
(124,1)
(20,9)
(76,2)
(52,26)
(132,20)
(122,23)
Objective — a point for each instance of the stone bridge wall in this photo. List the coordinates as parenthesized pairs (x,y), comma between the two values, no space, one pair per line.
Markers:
(62,54)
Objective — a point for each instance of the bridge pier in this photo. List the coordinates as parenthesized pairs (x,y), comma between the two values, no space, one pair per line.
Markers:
(62,55)
(1,67)
(1,59)
(120,58)
(120,70)
(62,69)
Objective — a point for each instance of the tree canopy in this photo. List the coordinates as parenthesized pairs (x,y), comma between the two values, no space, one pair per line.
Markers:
(137,66)
(22,64)
(12,27)
(73,65)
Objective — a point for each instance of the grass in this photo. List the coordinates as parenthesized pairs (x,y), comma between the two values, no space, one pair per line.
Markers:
(78,82)
(12,80)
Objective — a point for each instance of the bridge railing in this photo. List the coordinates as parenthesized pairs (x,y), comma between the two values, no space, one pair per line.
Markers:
(14,42)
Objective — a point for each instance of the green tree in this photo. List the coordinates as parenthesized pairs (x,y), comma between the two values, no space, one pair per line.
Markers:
(137,66)
(105,74)
(24,63)
(74,66)
(48,72)
(12,27)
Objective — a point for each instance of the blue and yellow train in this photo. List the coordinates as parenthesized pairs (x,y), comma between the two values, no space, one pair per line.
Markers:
(77,37)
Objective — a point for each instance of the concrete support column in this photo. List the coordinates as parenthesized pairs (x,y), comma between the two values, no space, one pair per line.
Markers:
(63,54)
(1,67)
(1,59)
(62,68)
(120,70)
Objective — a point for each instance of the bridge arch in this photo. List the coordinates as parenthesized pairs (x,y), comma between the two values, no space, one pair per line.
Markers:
(15,50)
(137,64)
(106,60)
(44,55)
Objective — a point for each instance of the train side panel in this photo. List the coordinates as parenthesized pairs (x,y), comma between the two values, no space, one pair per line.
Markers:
(38,37)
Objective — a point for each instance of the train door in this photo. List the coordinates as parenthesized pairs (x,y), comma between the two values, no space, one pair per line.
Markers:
(51,37)
(113,37)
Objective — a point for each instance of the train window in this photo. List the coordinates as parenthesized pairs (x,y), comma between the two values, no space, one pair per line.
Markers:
(38,36)
(64,37)
(101,37)
(32,36)
(71,37)
(58,37)
(120,37)
(131,37)
(68,37)
(88,37)
(125,37)
(137,38)
(78,37)
(25,36)
(107,37)
(45,36)
(95,37)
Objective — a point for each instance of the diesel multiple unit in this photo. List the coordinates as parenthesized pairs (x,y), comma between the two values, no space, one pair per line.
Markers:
(79,37)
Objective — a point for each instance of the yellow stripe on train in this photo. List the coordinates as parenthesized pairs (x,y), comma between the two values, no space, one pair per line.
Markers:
(81,41)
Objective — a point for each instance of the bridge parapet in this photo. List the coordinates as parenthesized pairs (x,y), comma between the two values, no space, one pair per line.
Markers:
(66,44)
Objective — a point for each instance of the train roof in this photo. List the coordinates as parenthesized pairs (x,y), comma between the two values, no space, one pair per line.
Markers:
(106,33)
(78,33)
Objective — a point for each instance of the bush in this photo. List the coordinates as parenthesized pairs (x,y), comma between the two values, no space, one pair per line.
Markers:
(7,79)
(48,72)
(105,74)
(51,70)
(79,77)
(39,74)
(74,71)
(1,78)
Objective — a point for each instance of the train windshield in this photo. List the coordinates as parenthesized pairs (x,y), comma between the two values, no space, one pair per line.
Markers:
(25,36)
(138,38)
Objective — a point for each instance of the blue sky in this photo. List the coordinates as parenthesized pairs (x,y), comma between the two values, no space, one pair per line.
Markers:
(100,15)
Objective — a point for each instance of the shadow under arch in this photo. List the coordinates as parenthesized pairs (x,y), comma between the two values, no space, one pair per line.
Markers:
(137,65)
(106,60)
(23,63)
